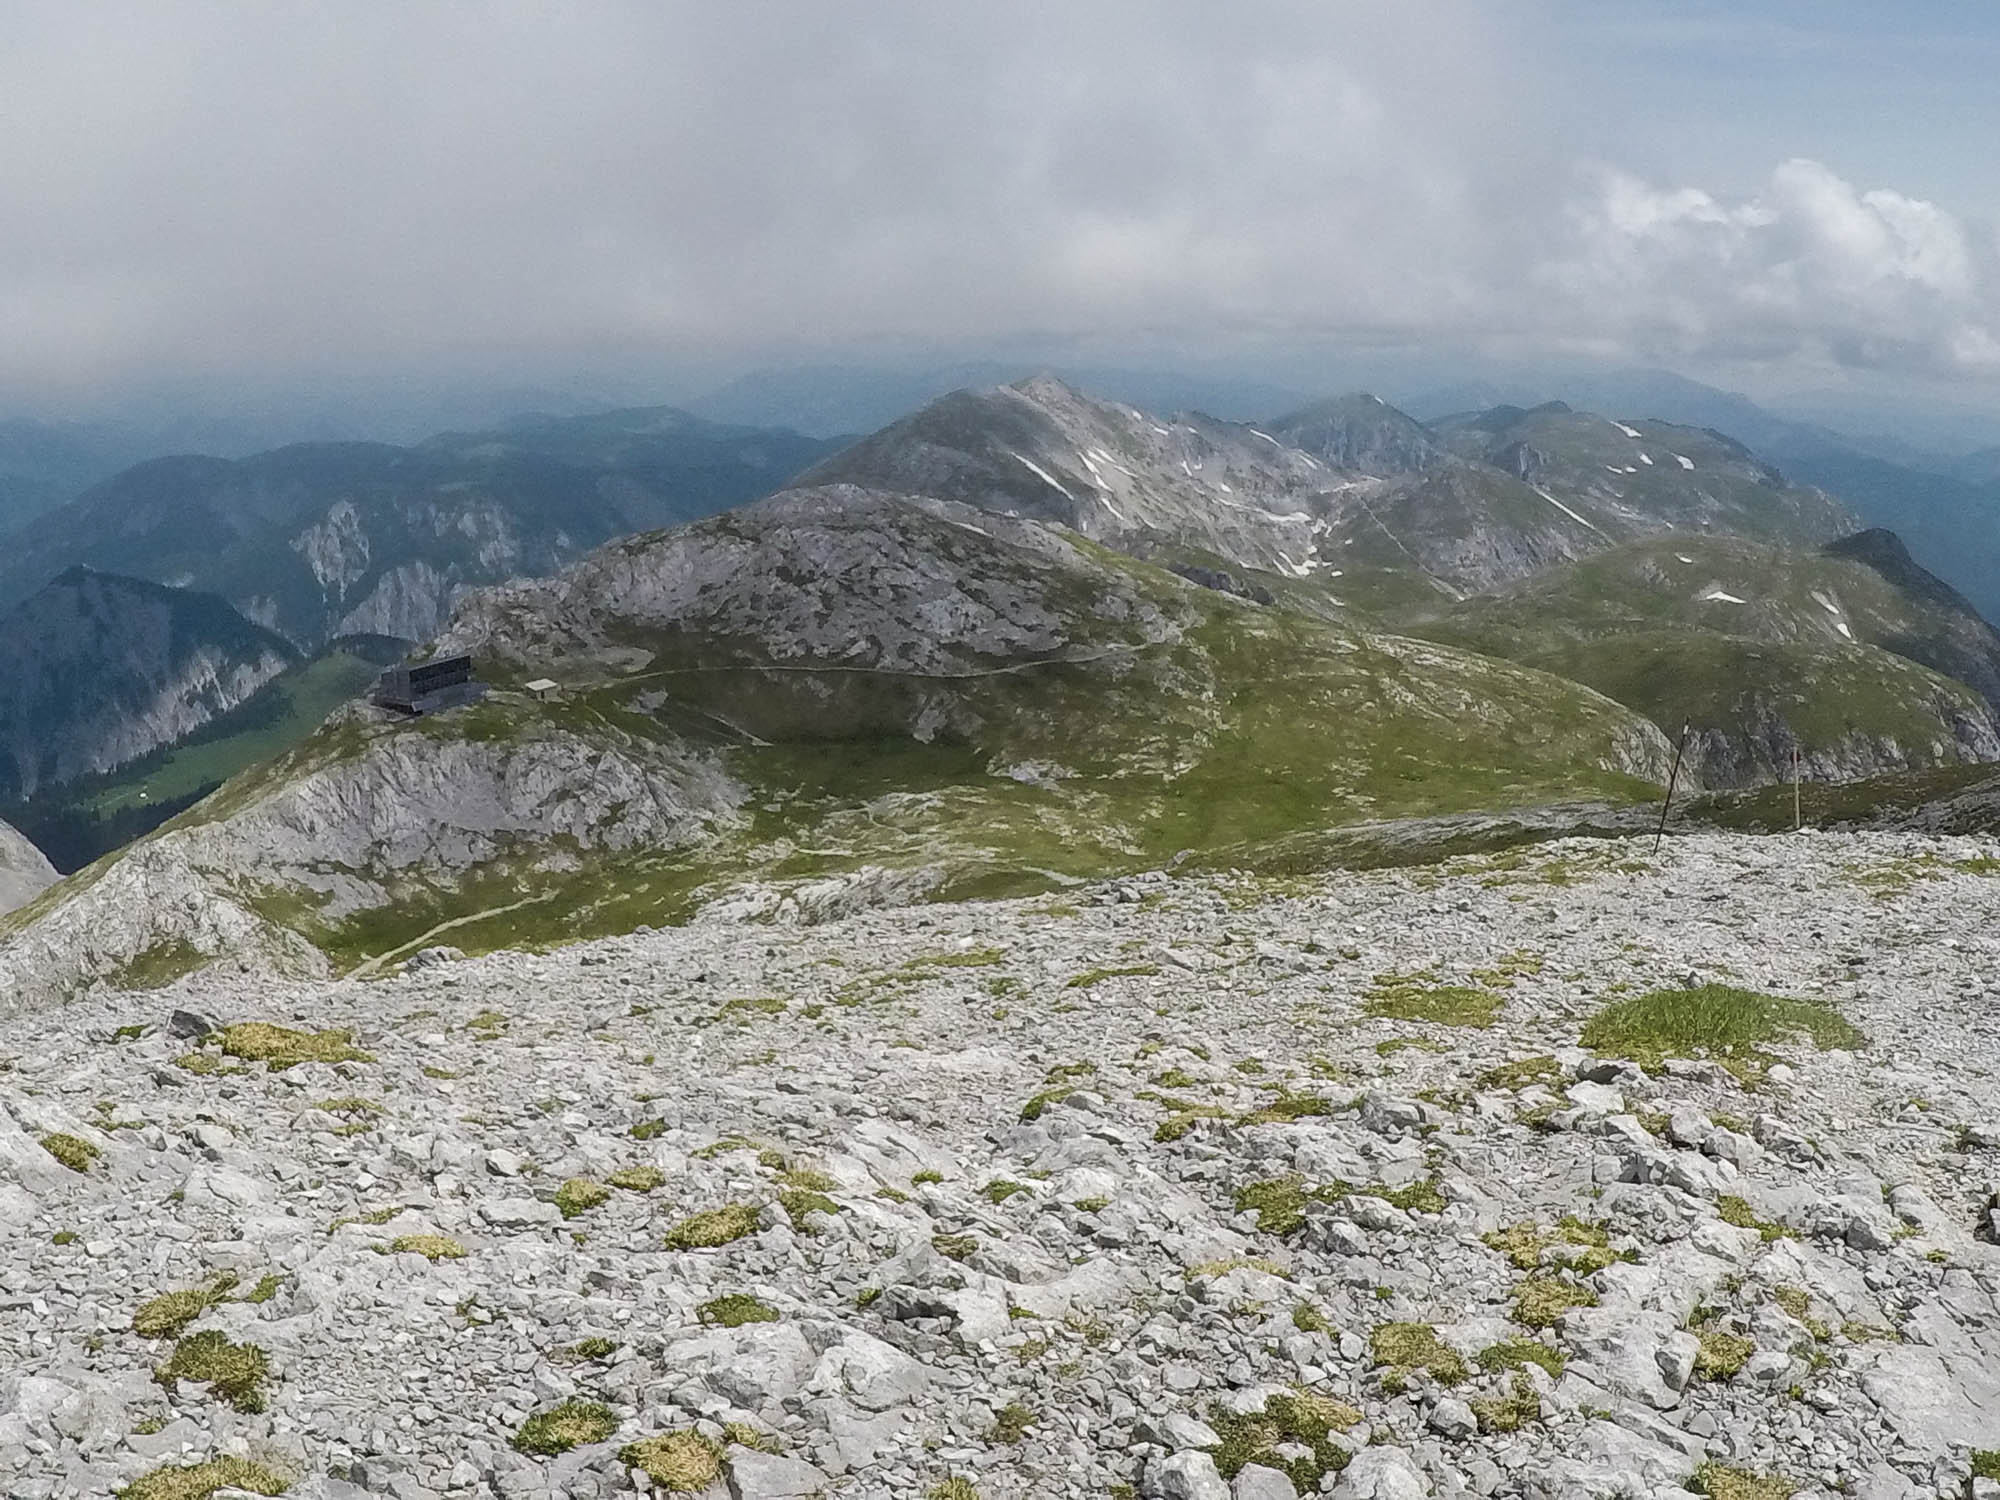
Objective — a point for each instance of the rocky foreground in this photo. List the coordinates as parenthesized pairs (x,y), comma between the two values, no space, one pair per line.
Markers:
(1199,1188)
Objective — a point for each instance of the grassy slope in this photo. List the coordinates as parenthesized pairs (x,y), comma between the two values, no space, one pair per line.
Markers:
(1633,625)
(1261,723)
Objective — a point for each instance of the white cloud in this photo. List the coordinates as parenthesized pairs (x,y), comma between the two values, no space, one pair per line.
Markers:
(1810,268)
(187,187)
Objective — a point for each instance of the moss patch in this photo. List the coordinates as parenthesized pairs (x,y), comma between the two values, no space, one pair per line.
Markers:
(1720,1482)
(637,1179)
(580,1195)
(1540,1301)
(166,1315)
(234,1372)
(681,1463)
(280,1047)
(1717,1021)
(1305,1419)
(72,1151)
(1518,1354)
(712,1227)
(1509,1412)
(571,1425)
(199,1481)
(1732,1209)
(429,1246)
(1402,1347)
(1522,1073)
(1721,1354)
(736,1309)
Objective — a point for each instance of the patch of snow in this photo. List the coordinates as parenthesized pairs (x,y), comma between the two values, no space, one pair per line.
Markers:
(1683,460)
(1566,510)
(1162,431)
(1841,626)
(1614,468)
(1717,596)
(1630,432)
(1831,606)
(1646,459)
(1225,488)
(1046,478)
(1266,437)
(1684,558)
(1186,470)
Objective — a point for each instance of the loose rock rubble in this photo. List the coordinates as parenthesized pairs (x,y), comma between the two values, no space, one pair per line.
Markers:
(1120,1193)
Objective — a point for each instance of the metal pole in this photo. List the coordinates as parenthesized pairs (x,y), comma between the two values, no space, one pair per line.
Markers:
(1672,776)
(1797,821)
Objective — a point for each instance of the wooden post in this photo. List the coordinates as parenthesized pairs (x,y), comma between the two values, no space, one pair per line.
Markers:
(1672,776)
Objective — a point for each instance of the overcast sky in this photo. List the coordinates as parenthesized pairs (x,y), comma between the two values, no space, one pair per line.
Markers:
(231,192)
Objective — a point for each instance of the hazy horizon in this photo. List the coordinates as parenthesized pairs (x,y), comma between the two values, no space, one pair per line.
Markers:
(207,206)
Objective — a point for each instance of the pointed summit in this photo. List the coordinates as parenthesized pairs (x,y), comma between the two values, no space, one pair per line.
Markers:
(1364,433)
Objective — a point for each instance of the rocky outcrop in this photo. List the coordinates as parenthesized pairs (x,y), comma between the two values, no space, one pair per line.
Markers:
(25,871)
(346,826)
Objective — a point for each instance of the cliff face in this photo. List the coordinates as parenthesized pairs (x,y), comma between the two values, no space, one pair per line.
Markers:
(24,871)
(97,670)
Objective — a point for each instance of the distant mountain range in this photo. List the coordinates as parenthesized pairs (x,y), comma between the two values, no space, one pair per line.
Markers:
(1026,636)
(325,539)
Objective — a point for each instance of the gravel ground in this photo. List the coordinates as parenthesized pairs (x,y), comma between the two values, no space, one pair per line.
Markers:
(1147,1190)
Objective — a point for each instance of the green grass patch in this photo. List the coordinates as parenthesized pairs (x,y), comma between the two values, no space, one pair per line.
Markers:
(1302,1419)
(1406,997)
(158,965)
(1716,1021)
(1091,977)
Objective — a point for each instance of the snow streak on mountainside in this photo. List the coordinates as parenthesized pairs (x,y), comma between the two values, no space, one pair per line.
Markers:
(1349,489)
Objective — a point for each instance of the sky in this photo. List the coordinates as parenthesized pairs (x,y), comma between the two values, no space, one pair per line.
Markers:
(1788,195)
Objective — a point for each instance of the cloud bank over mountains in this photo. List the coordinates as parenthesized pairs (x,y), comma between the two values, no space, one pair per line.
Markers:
(191,187)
